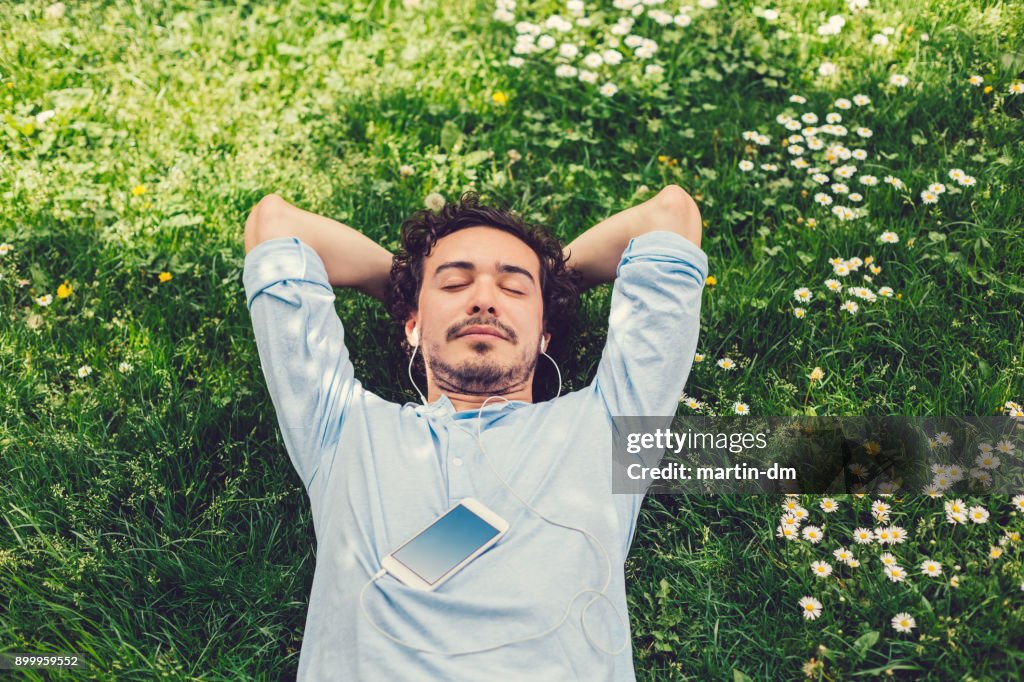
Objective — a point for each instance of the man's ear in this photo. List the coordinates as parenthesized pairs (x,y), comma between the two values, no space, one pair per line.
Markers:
(412,331)
(545,342)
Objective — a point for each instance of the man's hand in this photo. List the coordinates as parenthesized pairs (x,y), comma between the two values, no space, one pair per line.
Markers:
(351,258)
(596,252)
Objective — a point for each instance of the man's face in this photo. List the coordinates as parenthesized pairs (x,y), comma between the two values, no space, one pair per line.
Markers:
(480,314)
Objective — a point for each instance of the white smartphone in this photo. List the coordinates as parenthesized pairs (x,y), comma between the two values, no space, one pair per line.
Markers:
(443,548)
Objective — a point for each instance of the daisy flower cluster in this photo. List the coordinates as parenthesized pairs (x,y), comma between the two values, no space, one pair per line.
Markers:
(727,364)
(817,147)
(122,367)
(737,407)
(794,514)
(567,41)
(826,151)
(844,268)
(1015,88)
(931,194)
(986,464)
(883,534)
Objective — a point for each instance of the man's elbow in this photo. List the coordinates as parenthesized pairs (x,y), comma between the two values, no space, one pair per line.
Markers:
(678,212)
(261,218)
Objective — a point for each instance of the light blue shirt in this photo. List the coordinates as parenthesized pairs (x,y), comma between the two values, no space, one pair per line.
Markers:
(378,472)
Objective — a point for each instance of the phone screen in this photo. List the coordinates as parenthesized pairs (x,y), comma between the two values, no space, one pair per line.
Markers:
(440,548)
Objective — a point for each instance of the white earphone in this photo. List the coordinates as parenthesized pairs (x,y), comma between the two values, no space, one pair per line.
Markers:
(543,344)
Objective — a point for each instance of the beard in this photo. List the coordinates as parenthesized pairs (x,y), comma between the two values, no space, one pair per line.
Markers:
(481,375)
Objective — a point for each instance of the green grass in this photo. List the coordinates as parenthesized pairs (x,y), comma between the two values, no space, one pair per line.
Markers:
(151,520)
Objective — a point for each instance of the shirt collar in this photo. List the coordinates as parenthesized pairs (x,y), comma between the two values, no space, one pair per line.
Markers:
(444,407)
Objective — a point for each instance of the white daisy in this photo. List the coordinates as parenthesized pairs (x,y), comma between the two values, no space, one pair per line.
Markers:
(787,532)
(863,536)
(810,607)
(842,554)
(903,622)
(812,534)
(895,574)
(987,461)
(821,569)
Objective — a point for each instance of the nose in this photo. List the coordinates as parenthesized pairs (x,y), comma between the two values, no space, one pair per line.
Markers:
(483,298)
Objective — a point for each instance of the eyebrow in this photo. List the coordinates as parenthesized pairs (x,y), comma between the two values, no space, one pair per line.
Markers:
(466,265)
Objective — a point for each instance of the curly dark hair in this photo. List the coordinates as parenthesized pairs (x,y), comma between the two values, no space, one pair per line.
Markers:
(560,284)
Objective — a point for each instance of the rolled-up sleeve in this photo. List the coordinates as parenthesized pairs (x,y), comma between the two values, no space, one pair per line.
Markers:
(301,344)
(653,325)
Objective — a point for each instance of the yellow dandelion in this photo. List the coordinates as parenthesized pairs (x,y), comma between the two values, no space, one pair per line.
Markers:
(138,190)
(500,98)
(165,277)
(817,374)
(711,280)
(64,290)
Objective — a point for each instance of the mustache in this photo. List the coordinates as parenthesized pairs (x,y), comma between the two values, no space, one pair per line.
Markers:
(483,322)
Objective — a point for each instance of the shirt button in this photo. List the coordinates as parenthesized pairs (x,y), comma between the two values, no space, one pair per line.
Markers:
(457,461)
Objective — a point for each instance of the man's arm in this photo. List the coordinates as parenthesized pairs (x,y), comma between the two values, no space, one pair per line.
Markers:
(595,254)
(351,258)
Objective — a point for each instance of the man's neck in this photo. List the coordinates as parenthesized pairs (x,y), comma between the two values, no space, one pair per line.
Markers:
(464,401)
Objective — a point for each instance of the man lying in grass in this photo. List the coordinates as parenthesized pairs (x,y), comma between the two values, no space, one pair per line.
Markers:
(480,295)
